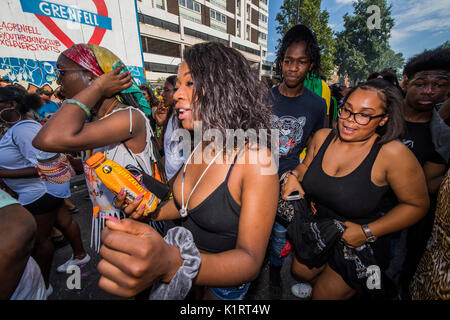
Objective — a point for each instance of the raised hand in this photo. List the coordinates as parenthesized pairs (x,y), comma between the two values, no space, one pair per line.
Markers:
(113,82)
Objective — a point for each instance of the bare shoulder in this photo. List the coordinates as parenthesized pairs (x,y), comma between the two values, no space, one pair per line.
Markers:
(395,154)
(319,138)
(396,151)
(257,160)
(123,117)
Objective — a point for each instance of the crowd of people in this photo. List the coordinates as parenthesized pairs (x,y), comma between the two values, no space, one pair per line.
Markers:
(355,187)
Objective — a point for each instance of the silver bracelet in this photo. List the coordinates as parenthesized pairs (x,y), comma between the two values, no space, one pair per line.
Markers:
(181,283)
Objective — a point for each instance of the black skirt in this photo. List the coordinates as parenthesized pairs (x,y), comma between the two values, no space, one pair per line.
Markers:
(316,240)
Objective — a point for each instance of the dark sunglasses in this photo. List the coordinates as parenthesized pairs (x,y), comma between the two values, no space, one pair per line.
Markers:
(60,72)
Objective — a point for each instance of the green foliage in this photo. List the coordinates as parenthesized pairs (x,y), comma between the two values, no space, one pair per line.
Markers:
(362,50)
(445,45)
(309,14)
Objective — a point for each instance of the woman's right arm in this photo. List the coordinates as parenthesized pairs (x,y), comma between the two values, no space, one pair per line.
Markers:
(67,130)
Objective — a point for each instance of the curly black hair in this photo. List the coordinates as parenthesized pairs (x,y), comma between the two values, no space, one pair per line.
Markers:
(227,91)
(25,101)
(299,33)
(436,59)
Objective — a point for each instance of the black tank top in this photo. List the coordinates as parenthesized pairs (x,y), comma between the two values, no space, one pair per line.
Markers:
(353,197)
(214,222)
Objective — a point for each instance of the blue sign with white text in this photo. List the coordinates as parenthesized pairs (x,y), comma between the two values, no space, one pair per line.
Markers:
(64,12)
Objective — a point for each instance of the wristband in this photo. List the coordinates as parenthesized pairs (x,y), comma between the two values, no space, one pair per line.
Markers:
(293,173)
(181,283)
(79,104)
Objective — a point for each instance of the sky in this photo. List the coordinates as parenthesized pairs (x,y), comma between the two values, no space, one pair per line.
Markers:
(419,24)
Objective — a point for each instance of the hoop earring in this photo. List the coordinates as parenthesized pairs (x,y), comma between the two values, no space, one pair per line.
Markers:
(10,122)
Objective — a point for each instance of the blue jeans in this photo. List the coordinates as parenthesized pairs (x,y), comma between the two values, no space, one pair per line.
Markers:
(277,241)
(231,293)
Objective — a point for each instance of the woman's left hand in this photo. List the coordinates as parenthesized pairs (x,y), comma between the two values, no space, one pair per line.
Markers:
(113,82)
(353,236)
(133,210)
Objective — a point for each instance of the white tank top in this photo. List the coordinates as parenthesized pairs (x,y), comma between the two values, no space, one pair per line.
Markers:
(104,198)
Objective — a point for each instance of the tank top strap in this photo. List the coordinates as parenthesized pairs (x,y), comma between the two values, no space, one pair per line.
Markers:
(232,165)
(325,145)
(370,159)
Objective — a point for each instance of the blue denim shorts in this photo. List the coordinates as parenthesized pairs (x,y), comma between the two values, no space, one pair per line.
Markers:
(231,293)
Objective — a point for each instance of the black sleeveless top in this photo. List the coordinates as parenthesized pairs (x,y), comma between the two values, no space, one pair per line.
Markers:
(353,197)
(214,222)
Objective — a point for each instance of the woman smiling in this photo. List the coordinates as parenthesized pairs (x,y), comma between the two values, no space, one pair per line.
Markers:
(345,174)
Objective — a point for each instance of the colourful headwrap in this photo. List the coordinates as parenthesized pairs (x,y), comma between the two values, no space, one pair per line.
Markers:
(99,60)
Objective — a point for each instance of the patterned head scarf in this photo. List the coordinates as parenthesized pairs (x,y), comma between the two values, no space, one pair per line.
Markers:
(100,60)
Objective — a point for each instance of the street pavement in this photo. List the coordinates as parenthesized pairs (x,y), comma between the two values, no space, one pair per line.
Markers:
(63,282)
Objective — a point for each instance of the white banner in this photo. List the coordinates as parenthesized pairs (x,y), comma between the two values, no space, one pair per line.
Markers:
(34,32)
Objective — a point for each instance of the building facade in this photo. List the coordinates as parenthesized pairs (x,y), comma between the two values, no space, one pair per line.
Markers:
(167,27)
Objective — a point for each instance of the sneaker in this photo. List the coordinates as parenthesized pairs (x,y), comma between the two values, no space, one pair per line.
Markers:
(72,261)
(302,290)
(74,210)
(49,291)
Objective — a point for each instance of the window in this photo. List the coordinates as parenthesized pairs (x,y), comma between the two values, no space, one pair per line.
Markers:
(264,1)
(238,7)
(262,36)
(262,18)
(161,47)
(192,5)
(218,16)
(248,12)
(247,33)
(238,28)
(220,3)
(204,36)
(158,23)
(159,67)
(160,4)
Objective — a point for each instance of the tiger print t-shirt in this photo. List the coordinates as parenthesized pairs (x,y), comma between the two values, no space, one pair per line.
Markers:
(296,119)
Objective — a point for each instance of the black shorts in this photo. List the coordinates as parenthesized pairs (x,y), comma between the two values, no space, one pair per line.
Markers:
(44,204)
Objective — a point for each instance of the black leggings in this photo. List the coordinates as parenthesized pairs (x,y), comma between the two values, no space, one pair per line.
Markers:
(44,204)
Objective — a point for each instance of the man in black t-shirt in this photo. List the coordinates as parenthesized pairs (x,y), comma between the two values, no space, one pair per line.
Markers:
(298,112)
(428,80)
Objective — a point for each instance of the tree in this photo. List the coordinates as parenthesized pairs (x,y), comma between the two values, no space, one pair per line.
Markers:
(363,46)
(445,45)
(308,12)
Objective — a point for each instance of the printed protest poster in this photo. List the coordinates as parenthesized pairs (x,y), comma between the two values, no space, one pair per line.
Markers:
(34,32)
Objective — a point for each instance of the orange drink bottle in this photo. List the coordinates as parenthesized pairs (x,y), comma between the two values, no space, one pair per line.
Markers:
(115,177)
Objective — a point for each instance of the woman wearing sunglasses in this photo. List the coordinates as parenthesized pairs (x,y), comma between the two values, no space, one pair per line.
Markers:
(105,111)
(345,175)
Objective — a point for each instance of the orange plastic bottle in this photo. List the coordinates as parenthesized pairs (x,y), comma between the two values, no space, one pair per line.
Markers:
(115,177)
